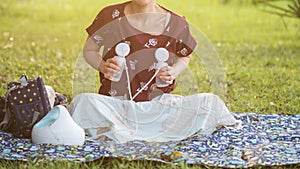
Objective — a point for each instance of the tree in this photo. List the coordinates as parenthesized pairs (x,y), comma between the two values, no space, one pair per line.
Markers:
(291,8)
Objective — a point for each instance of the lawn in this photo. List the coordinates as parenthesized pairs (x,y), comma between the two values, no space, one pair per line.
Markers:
(260,52)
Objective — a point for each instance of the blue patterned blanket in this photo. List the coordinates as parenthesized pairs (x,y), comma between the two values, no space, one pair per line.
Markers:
(263,140)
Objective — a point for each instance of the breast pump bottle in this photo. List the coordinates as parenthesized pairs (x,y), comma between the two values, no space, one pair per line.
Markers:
(122,50)
(161,55)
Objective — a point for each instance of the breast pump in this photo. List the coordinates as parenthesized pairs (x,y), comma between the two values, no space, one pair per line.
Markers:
(122,50)
(161,55)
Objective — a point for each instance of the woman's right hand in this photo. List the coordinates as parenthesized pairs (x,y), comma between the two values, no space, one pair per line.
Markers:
(109,67)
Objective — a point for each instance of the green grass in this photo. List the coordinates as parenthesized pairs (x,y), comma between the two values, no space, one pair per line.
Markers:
(260,52)
(107,163)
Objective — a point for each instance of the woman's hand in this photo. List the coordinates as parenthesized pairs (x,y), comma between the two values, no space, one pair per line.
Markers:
(165,74)
(109,67)
(169,73)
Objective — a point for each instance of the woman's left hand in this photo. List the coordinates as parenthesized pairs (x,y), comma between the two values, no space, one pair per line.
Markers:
(165,74)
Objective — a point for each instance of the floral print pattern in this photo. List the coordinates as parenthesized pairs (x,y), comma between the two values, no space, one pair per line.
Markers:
(143,84)
(263,140)
(115,13)
(184,51)
(132,64)
(152,42)
(98,39)
(112,92)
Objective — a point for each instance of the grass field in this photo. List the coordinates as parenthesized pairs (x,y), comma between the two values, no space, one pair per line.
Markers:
(260,52)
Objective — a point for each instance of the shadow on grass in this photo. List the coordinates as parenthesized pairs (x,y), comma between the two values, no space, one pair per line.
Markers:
(108,162)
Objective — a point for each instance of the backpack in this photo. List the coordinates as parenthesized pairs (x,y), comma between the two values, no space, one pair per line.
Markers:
(26,102)
(2,108)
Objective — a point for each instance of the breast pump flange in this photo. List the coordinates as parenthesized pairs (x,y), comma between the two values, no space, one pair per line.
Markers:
(122,50)
(161,55)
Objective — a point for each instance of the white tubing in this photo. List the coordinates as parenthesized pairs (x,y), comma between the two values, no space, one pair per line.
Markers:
(128,81)
(155,74)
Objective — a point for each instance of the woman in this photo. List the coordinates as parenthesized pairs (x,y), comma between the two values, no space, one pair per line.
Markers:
(123,110)
(146,26)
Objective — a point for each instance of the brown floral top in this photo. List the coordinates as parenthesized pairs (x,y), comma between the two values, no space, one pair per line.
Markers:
(111,27)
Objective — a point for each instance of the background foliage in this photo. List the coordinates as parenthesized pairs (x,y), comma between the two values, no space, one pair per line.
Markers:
(260,51)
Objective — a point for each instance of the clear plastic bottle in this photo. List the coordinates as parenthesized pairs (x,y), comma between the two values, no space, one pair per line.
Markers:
(122,50)
(161,55)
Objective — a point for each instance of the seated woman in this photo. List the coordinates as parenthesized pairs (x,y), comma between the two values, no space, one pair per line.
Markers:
(148,46)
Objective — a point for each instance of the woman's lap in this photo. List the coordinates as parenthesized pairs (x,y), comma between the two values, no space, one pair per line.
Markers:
(165,118)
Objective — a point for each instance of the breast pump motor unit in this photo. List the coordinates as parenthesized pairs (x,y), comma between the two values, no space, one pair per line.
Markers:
(122,50)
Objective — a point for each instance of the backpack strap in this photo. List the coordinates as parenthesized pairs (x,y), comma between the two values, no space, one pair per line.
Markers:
(4,123)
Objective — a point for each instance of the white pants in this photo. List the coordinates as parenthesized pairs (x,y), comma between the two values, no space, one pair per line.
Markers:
(167,117)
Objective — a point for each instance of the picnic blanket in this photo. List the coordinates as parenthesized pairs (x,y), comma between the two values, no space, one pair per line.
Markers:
(263,140)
